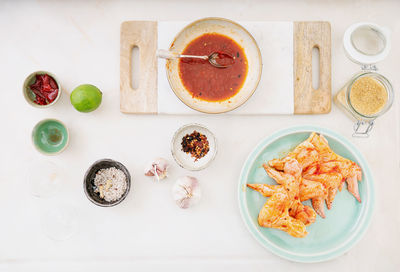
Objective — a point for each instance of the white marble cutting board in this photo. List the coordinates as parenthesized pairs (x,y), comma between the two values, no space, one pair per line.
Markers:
(274,94)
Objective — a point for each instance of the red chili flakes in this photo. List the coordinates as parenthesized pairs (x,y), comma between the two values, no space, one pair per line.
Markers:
(45,89)
(196,144)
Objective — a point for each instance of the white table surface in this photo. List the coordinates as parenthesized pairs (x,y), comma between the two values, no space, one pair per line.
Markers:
(79,42)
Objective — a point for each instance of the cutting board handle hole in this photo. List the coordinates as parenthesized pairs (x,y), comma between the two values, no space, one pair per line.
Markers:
(135,66)
(315,67)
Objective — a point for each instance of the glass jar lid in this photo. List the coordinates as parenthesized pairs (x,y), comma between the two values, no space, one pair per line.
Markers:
(366,43)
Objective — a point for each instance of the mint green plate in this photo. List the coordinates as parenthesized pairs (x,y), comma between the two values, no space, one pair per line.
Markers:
(328,238)
(50,136)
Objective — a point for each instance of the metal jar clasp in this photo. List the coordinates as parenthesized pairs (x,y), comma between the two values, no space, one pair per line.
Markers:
(362,129)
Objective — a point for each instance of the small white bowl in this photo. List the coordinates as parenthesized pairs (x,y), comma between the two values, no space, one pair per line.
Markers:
(185,160)
(30,96)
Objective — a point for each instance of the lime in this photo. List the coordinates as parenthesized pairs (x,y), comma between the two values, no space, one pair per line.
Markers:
(86,98)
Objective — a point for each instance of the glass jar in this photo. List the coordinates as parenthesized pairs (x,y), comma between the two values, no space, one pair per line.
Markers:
(364,121)
(366,44)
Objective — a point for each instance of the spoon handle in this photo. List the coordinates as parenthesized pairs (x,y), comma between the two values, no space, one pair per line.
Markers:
(193,57)
(166,54)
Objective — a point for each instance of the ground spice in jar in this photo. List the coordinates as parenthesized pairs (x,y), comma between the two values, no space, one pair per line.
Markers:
(368,96)
(196,144)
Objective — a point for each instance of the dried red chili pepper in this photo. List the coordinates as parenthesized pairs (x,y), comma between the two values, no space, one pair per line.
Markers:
(196,144)
(45,89)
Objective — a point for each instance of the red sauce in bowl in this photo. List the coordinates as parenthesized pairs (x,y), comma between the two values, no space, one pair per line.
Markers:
(206,82)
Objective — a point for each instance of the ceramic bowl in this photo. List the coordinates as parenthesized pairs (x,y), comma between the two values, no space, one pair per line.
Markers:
(50,136)
(185,160)
(30,96)
(89,187)
(235,32)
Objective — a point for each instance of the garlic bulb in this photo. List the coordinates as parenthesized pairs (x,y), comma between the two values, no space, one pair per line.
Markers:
(186,192)
(157,168)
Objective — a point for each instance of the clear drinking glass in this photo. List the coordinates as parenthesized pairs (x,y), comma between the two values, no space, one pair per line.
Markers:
(44,178)
(59,221)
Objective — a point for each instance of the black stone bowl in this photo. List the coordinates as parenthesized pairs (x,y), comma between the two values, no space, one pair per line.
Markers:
(88,182)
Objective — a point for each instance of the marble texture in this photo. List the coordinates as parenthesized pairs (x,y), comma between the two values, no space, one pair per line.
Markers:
(79,43)
(275,40)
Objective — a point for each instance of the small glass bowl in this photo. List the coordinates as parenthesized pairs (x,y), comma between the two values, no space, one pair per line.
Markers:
(59,221)
(30,96)
(44,178)
(185,160)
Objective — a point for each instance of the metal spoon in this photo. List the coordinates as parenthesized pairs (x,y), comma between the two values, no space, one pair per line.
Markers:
(212,58)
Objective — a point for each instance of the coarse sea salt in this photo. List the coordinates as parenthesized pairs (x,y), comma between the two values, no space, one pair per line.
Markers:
(110,183)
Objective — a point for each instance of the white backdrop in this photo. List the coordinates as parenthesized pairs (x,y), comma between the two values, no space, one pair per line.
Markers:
(79,42)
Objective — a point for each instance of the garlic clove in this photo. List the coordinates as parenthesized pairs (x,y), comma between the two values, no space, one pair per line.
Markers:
(186,192)
(157,168)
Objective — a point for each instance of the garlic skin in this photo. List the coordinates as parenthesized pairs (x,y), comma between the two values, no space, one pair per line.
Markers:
(157,168)
(186,192)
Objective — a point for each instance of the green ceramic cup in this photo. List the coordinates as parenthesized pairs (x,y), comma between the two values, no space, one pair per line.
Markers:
(50,136)
(30,96)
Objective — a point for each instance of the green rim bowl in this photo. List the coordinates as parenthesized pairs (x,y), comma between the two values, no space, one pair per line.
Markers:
(50,136)
(344,225)
(30,96)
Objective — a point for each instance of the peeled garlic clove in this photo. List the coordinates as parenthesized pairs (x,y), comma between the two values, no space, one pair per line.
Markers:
(186,192)
(158,168)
